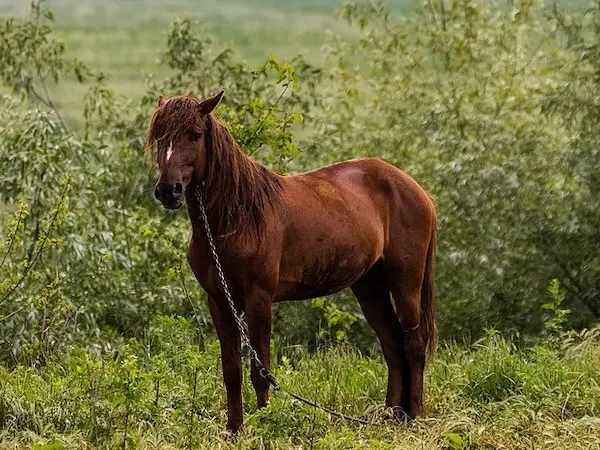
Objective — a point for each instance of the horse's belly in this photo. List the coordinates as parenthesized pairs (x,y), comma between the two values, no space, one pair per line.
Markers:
(329,272)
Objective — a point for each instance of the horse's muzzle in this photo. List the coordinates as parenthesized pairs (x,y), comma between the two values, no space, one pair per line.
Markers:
(169,194)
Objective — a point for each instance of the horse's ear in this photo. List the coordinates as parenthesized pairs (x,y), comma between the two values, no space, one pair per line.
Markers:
(207,106)
(162,101)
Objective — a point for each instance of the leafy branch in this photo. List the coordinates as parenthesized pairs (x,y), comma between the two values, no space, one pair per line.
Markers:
(32,262)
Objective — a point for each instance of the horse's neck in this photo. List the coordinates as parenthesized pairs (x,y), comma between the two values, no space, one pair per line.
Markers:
(237,191)
(231,165)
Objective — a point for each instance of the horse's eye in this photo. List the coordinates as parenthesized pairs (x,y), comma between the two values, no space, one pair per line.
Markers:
(195,135)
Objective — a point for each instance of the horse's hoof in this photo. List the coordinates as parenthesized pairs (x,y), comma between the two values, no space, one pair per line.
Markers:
(233,427)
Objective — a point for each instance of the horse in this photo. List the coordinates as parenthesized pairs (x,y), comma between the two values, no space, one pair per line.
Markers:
(360,223)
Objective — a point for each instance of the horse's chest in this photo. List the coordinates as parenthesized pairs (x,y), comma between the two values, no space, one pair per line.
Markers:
(239,268)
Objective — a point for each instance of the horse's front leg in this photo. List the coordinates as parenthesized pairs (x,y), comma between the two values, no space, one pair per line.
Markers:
(229,337)
(258,315)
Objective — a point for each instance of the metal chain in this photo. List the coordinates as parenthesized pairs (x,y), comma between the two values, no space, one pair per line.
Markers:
(242,326)
(239,318)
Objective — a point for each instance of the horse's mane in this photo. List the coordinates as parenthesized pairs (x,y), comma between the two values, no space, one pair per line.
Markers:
(238,191)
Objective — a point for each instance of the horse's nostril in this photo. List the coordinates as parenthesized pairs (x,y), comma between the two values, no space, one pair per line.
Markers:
(178,188)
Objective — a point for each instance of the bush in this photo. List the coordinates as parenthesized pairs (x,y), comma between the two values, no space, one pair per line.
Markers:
(492,109)
(477,102)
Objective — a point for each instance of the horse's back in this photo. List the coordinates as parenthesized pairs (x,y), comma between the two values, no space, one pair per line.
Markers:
(368,188)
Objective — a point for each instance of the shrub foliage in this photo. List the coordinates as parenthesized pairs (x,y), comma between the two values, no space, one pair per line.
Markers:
(493,110)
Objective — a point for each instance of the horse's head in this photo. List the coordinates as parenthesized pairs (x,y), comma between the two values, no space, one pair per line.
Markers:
(176,142)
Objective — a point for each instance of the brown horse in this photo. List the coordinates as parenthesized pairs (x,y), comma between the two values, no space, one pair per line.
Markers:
(362,224)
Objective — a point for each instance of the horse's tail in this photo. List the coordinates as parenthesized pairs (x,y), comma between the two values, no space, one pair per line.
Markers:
(428,293)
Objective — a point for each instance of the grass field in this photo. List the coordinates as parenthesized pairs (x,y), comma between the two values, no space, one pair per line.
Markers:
(124,39)
(170,395)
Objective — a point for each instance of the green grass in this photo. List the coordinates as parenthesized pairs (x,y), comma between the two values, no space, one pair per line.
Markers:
(166,393)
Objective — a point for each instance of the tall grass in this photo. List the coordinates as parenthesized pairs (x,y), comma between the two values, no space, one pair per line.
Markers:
(166,392)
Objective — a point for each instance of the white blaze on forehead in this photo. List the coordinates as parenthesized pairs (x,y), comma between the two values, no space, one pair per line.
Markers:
(170,151)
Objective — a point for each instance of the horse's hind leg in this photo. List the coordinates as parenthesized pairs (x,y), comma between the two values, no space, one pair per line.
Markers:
(405,278)
(373,295)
